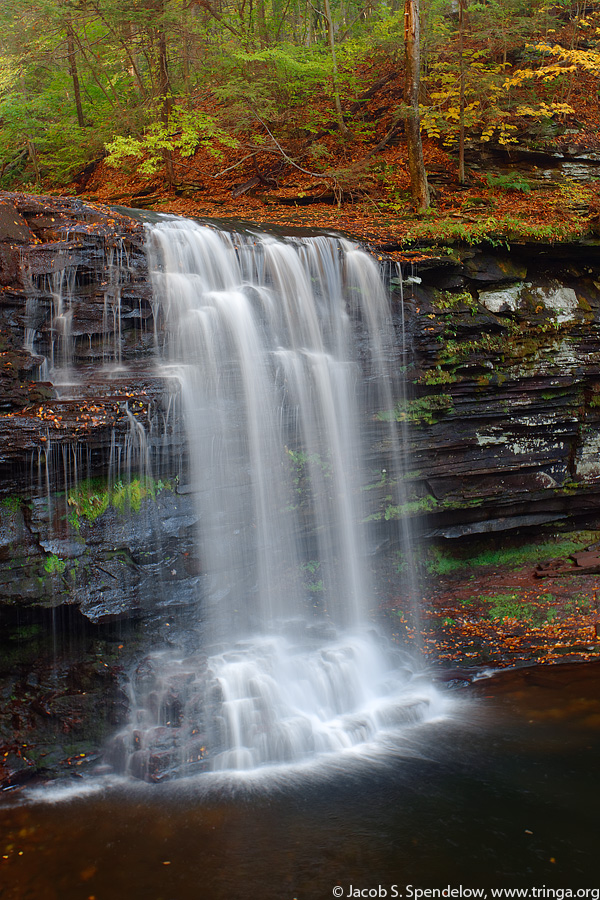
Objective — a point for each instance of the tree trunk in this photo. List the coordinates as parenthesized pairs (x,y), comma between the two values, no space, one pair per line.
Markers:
(34,159)
(164,84)
(461,104)
(166,101)
(412,56)
(334,69)
(261,20)
(123,33)
(185,60)
(73,71)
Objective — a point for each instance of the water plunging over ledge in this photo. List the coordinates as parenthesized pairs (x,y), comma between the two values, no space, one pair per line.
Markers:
(279,351)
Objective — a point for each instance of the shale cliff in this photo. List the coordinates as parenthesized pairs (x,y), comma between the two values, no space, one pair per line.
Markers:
(503,425)
(75,528)
(501,416)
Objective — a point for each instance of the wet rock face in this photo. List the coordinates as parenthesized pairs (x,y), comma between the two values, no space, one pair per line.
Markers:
(503,427)
(504,423)
(62,692)
(83,525)
(132,559)
(73,288)
(178,723)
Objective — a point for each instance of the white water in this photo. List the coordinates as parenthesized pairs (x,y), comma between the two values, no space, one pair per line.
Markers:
(280,351)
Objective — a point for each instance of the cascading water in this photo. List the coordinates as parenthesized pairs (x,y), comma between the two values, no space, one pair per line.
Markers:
(279,350)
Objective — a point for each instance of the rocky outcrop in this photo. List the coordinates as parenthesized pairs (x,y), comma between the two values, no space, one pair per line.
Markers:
(73,290)
(110,549)
(503,427)
(83,523)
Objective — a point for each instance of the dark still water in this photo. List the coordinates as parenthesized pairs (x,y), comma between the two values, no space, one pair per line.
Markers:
(503,792)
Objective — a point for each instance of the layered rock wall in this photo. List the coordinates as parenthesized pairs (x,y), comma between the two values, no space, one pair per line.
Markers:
(75,303)
(503,420)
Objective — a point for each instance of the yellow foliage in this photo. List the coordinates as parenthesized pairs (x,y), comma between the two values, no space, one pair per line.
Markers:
(545,109)
(566,60)
(573,58)
(488,86)
(575,194)
(483,92)
(505,134)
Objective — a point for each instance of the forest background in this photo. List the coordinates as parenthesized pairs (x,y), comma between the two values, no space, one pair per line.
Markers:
(298,111)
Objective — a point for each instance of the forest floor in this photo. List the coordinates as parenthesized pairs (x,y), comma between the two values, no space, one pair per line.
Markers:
(515,192)
(503,603)
(553,210)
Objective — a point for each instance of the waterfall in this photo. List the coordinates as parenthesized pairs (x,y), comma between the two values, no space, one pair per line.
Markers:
(280,351)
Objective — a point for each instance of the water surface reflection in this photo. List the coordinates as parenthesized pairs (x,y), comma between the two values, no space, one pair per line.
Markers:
(503,794)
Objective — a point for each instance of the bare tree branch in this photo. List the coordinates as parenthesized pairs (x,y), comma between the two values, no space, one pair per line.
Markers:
(213,12)
(243,160)
(285,155)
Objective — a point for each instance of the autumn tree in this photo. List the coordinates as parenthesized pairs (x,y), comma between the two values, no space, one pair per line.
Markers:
(412,58)
(62,88)
(467,77)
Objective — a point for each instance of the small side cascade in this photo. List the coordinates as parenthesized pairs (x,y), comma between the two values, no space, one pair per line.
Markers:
(61,286)
(48,327)
(126,464)
(76,315)
(130,456)
(116,264)
(58,465)
(34,318)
